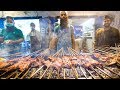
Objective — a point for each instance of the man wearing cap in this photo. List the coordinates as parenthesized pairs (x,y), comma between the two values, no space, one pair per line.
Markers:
(11,37)
(107,36)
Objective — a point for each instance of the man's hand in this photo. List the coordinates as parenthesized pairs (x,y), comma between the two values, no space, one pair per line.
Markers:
(8,42)
(53,42)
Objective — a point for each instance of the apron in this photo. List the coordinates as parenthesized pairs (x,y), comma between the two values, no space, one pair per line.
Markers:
(35,44)
(64,39)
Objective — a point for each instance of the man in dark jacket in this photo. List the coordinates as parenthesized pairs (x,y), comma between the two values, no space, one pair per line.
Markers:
(107,36)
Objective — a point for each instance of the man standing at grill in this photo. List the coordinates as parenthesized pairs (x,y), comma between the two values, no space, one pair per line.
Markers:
(11,37)
(107,36)
(62,37)
(35,38)
(65,33)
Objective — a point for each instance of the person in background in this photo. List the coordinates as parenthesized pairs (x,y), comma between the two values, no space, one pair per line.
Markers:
(11,37)
(80,44)
(46,41)
(108,35)
(80,40)
(48,35)
(35,38)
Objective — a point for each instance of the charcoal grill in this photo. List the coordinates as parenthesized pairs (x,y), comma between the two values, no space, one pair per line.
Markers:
(72,72)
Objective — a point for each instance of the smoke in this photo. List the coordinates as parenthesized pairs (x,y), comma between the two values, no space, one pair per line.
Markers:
(4,52)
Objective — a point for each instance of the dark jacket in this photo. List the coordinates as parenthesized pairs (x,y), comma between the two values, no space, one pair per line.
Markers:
(109,37)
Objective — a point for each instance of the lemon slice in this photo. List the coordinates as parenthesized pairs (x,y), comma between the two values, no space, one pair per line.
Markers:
(2,59)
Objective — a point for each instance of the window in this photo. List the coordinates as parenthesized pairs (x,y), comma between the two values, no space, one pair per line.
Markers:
(24,25)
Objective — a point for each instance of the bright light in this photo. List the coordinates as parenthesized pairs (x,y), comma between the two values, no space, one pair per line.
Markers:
(89,24)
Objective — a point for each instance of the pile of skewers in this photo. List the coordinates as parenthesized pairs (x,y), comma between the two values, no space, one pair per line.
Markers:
(61,65)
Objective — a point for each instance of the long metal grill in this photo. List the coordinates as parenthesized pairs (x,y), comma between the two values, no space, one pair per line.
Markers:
(62,65)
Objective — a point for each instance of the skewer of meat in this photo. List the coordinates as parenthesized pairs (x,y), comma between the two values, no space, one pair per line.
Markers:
(90,62)
(74,70)
(15,65)
(103,75)
(113,75)
(104,71)
(112,71)
(97,72)
(25,67)
(3,69)
(3,64)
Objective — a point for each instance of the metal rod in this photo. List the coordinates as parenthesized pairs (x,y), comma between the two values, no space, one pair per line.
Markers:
(50,73)
(58,75)
(91,74)
(75,72)
(45,70)
(3,73)
(73,69)
(57,52)
(40,72)
(104,71)
(64,73)
(74,51)
(18,74)
(11,74)
(25,74)
(32,72)
(83,72)
(113,71)
(71,52)
(94,76)
(36,71)
(98,73)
